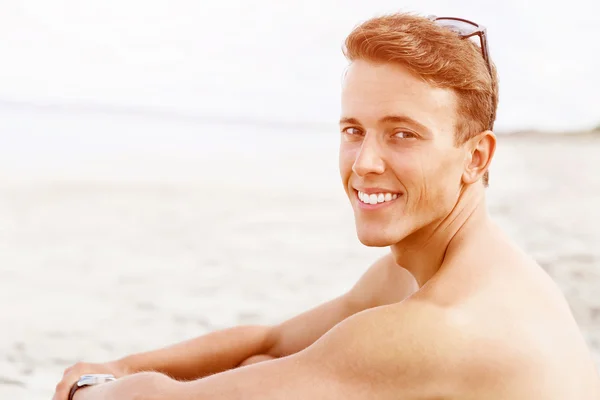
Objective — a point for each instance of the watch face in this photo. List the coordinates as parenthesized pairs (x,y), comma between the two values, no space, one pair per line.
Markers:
(94,379)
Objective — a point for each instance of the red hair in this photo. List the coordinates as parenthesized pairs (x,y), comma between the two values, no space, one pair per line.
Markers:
(440,57)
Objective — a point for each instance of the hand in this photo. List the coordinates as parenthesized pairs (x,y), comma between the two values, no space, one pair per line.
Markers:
(72,374)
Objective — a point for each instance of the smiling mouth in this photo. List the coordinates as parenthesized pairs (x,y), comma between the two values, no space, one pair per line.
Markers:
(376,198)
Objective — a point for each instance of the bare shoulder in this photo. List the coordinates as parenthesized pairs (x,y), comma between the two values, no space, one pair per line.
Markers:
(413,348)
(384,282)
(404,350)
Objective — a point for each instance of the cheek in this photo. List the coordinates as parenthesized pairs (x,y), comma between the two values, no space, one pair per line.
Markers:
(431,178)
(409,168)
(442,180)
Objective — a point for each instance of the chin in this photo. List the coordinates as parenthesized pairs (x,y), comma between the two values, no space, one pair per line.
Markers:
(376,238)
(384,233)
(375,242)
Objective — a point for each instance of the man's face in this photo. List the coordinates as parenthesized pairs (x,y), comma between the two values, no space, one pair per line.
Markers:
(398,160)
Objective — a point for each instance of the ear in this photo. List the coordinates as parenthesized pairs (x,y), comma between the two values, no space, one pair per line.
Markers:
(481,149)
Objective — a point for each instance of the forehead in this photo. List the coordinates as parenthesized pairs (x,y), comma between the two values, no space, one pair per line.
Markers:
(371,91)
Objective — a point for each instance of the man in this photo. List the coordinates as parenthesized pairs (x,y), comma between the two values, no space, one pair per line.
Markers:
(469,316)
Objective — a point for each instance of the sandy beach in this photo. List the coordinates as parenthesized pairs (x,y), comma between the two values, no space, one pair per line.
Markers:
(95,265)
(169,168)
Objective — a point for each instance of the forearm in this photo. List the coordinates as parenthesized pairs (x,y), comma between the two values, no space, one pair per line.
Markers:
(205,355)
(233,384)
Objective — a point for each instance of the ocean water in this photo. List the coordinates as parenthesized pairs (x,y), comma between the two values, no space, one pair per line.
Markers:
(62,143)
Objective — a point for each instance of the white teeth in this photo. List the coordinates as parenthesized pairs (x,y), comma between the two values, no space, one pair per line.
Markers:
(375,198)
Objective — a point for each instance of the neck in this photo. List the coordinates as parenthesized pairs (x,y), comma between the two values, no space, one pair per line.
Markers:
(423,252)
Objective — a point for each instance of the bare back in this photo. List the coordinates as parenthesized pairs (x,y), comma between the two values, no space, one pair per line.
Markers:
(520,322)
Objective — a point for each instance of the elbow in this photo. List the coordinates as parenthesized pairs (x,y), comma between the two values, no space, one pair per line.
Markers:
(265,339)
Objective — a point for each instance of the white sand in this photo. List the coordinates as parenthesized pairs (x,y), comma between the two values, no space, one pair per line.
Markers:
(234,241)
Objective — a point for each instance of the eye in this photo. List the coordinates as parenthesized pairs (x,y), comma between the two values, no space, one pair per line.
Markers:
(405,135)
(351,131)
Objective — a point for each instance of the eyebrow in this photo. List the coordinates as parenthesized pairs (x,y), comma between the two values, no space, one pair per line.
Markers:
(390,119)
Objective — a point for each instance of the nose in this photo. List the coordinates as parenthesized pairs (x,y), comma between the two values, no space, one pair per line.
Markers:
(369,159)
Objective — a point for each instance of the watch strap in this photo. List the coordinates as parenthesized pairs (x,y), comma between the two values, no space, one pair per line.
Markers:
(74,388)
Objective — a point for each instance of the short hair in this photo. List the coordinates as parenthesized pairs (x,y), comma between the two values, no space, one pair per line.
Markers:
(437,55)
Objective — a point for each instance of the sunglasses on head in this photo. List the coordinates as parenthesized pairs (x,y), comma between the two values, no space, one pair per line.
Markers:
(466,29)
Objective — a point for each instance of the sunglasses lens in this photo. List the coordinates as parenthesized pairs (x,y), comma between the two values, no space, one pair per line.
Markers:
(472,31)
(460,27)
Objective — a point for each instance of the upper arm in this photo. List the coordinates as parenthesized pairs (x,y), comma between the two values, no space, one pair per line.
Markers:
(383,283)
(379,353)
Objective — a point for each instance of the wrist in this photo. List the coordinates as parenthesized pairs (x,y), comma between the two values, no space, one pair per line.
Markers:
(127,365)
(80,392)
(87,382)
(151,385)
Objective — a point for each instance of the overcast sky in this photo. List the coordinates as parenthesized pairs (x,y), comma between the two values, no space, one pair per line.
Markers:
(280,60)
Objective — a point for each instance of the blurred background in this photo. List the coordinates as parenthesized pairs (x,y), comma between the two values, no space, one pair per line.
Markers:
(168,168)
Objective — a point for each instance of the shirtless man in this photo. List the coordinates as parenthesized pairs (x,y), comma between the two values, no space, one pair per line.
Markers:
(469,316)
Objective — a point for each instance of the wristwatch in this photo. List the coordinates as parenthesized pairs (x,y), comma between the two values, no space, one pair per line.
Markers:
(90,380)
